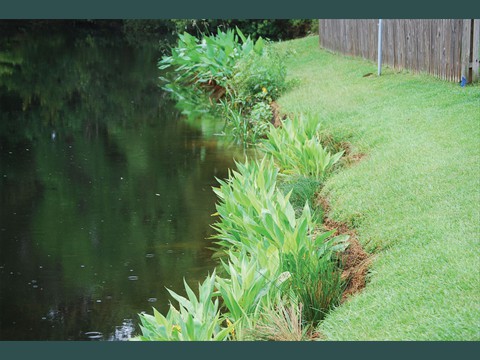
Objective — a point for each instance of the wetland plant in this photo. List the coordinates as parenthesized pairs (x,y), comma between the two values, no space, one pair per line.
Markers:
(297,149)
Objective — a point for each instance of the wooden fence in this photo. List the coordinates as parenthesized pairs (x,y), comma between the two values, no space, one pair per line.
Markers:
(448,49)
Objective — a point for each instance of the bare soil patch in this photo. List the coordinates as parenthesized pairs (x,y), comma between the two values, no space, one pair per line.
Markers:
(277,116)
(355,259)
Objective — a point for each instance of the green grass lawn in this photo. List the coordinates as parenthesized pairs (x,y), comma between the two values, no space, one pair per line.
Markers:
(414,199)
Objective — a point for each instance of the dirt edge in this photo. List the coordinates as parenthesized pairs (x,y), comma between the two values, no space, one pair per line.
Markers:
(277,116)
(355,260)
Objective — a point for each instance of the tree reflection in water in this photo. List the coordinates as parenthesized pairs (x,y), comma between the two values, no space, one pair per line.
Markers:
(106,193)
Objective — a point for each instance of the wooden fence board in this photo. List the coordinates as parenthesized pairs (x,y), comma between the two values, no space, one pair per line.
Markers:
(465,54)
(445,48)
(476,50)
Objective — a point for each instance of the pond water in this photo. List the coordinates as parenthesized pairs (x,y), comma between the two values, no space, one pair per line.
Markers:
(105,191)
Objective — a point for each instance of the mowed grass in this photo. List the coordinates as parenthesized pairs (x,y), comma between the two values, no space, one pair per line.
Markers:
(414,198)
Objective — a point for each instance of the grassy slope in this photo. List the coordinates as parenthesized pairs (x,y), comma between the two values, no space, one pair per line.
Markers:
(414,199)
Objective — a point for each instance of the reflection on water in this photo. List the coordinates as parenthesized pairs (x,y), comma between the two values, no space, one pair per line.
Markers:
(106,194)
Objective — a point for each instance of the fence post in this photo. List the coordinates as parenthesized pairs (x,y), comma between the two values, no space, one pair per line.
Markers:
(465,51)
(379,47)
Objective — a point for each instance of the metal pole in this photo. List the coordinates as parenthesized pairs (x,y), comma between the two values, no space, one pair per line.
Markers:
(379,47)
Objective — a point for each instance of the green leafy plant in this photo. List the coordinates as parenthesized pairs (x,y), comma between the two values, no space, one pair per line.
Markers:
(239,74)
(256,219)
(196,319)
(260,117)
(208,62)
(271,252)
(242,292)
(315,275)
(260,76)
(303,190)
(236,124)
(246,126)
(252,210)
(297,148)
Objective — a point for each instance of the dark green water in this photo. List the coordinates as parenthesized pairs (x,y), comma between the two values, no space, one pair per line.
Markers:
(105,192)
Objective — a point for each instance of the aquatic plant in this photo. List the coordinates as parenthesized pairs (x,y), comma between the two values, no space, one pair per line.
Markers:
(272,255)
(303,190)
(243,290)
(259,221)
(260,76)
(297,148)
(196,319)
(209,62)
(240,76)
(315,275)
